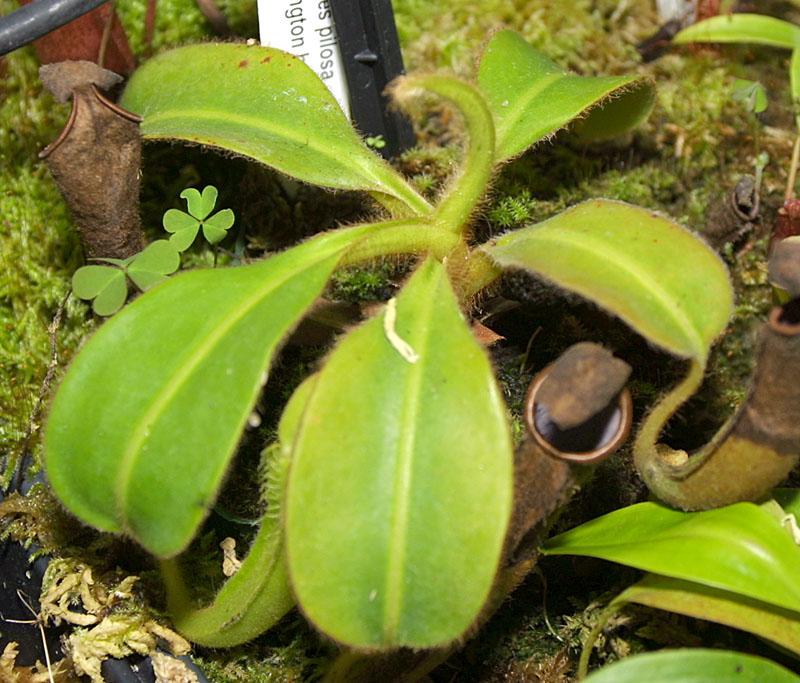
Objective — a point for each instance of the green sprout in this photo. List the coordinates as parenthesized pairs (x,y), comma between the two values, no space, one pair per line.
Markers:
(107,285)
(185,226)
(750,93)
(375,141)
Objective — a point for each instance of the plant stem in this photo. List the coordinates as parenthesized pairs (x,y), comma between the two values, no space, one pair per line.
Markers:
(456,206)
(401,237)
(790,183)
(251,601)
(406,202)
(794,83)
(178,601)
(591,638)
(478,272)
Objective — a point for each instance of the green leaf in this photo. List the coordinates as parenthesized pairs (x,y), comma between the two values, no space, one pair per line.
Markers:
(723,607)
(742,28)
(171,403)
(208,200)
(89,281)
(112,297)
(107,286)
(175,220)
(264,104)
(401,483)
(531,97)
(658,277)
(157,260)
(740,548)
(183,239)
(693,666)
(751,93)
(194,202)
(216,228)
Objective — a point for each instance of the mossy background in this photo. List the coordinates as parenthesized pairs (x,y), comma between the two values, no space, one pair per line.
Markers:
(685,158)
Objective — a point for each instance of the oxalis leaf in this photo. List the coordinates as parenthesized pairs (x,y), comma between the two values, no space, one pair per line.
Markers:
(701,602)
(658,277)
(143,426)
(400,488)
(531,97)
(265,104)
(693,666)
(740,548)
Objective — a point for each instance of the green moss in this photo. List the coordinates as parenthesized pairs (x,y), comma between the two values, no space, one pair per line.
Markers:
(358,284)
(242,16)
(290,653)
(582,35)
(177,22)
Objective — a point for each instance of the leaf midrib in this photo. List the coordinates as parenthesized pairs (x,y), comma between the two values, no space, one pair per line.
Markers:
(398,528)
(259,123)
(580,243)
(191,361)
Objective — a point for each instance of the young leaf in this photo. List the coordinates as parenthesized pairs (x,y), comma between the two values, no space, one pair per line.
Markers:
(195,203)
(187,393)
(264,104)
(182,239)
(531,97)
(693,666)
(742,28)
(159,259)
(751,93)
(216,227)
(89,281)
(723,607)
(658,277)
(175,220)
(112,297)
(400,487)
(200,205)
(740,548)
(107,286)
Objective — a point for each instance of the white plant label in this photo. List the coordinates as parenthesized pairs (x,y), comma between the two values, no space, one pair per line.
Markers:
(305,29)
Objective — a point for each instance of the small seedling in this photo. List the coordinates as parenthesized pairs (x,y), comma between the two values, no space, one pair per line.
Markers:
(375,142)
(107,285)
(751,94)
(184,225)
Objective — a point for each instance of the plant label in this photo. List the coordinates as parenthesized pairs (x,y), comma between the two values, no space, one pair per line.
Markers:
(305,29)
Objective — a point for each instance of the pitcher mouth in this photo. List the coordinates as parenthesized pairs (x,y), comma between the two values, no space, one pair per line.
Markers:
(586,444)
(786,319)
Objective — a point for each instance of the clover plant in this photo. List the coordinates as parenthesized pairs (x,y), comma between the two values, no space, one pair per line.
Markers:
(107,285)
(184,225)
(391,482)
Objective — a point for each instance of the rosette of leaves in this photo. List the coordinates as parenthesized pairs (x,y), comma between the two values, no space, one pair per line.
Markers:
(106,286)
(184,225)
(390,521)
